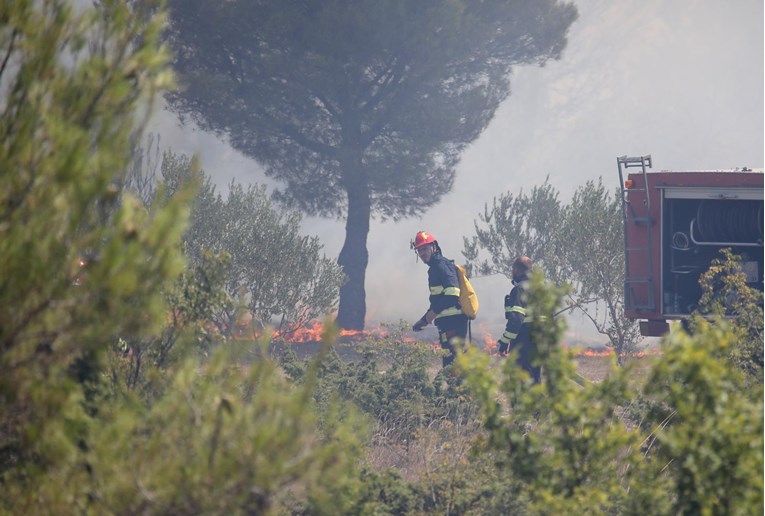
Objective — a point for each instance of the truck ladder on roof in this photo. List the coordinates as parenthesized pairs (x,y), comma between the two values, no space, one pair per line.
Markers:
(638,222)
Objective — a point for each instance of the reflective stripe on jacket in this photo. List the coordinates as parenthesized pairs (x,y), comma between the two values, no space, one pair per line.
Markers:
(444,287)
(518,326)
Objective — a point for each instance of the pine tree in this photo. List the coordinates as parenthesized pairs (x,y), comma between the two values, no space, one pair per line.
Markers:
(360,108)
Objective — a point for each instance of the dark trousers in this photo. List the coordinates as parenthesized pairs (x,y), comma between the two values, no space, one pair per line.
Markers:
(526,353)
(452,332)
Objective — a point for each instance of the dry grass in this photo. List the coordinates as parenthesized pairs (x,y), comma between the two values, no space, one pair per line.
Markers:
(596,368)
(444,444)
(436,448)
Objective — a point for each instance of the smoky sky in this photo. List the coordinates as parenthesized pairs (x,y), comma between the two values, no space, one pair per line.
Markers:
(680,80)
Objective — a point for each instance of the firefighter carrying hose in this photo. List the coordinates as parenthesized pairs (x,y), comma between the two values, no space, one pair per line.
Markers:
(517,334)
(444,310)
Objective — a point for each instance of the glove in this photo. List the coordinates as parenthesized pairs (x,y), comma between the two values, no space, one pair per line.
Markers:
(503,347)
(419,325)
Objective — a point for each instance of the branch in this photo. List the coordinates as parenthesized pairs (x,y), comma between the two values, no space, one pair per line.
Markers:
(309,91)
(652,436)
(495,273)
(298,137)
(96,97)
(392,72)
(594,321)
(10,51)
(10,342)
(570,307)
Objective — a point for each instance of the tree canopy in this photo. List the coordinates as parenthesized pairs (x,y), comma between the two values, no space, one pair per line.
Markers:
(515,225)
(358,108)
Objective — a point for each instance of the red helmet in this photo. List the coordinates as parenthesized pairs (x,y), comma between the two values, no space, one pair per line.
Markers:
(422,238)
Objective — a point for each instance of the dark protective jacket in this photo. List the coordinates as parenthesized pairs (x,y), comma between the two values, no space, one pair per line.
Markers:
(444,289)
(517,334)
(518,326)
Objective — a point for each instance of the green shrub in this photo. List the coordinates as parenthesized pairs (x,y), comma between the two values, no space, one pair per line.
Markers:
(563,447)
(711,449)
(386,493)
(390,381)
(221,439)
(725,293)
(78,268)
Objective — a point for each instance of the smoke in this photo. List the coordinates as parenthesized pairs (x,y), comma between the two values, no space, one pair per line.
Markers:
(682,81)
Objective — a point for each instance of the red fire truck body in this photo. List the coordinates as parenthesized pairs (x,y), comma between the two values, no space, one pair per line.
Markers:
(675,224)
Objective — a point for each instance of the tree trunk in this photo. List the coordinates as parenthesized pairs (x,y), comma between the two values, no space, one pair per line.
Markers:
(354,256)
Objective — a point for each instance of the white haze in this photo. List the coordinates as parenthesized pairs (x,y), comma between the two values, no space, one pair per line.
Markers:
(681,80)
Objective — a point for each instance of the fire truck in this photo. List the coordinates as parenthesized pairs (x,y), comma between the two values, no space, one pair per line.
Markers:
(675,224)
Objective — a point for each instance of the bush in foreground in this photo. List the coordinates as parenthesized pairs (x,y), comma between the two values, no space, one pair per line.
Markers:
(562,447)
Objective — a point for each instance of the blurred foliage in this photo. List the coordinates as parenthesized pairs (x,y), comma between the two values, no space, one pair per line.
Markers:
(386,493)
(566,447)
(219,440)
(78,269)
(87,274)
(192,300)
(711,450)
(726,294)
(563,444)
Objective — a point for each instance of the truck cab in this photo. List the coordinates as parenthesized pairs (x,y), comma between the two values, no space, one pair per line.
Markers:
(675,224)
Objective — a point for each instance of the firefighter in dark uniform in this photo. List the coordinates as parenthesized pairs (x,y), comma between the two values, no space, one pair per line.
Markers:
(444,310)
(517,334)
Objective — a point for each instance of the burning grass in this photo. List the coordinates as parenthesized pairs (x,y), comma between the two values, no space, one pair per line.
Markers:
(593,363)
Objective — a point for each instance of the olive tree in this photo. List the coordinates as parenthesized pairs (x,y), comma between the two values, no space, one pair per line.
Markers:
(516,225)
(593,250)
(274,272)
(579,244)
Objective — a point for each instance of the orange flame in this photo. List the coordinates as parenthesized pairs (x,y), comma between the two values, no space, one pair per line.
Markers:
(490,346)
(314,331)
(590,352)
(607,352)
